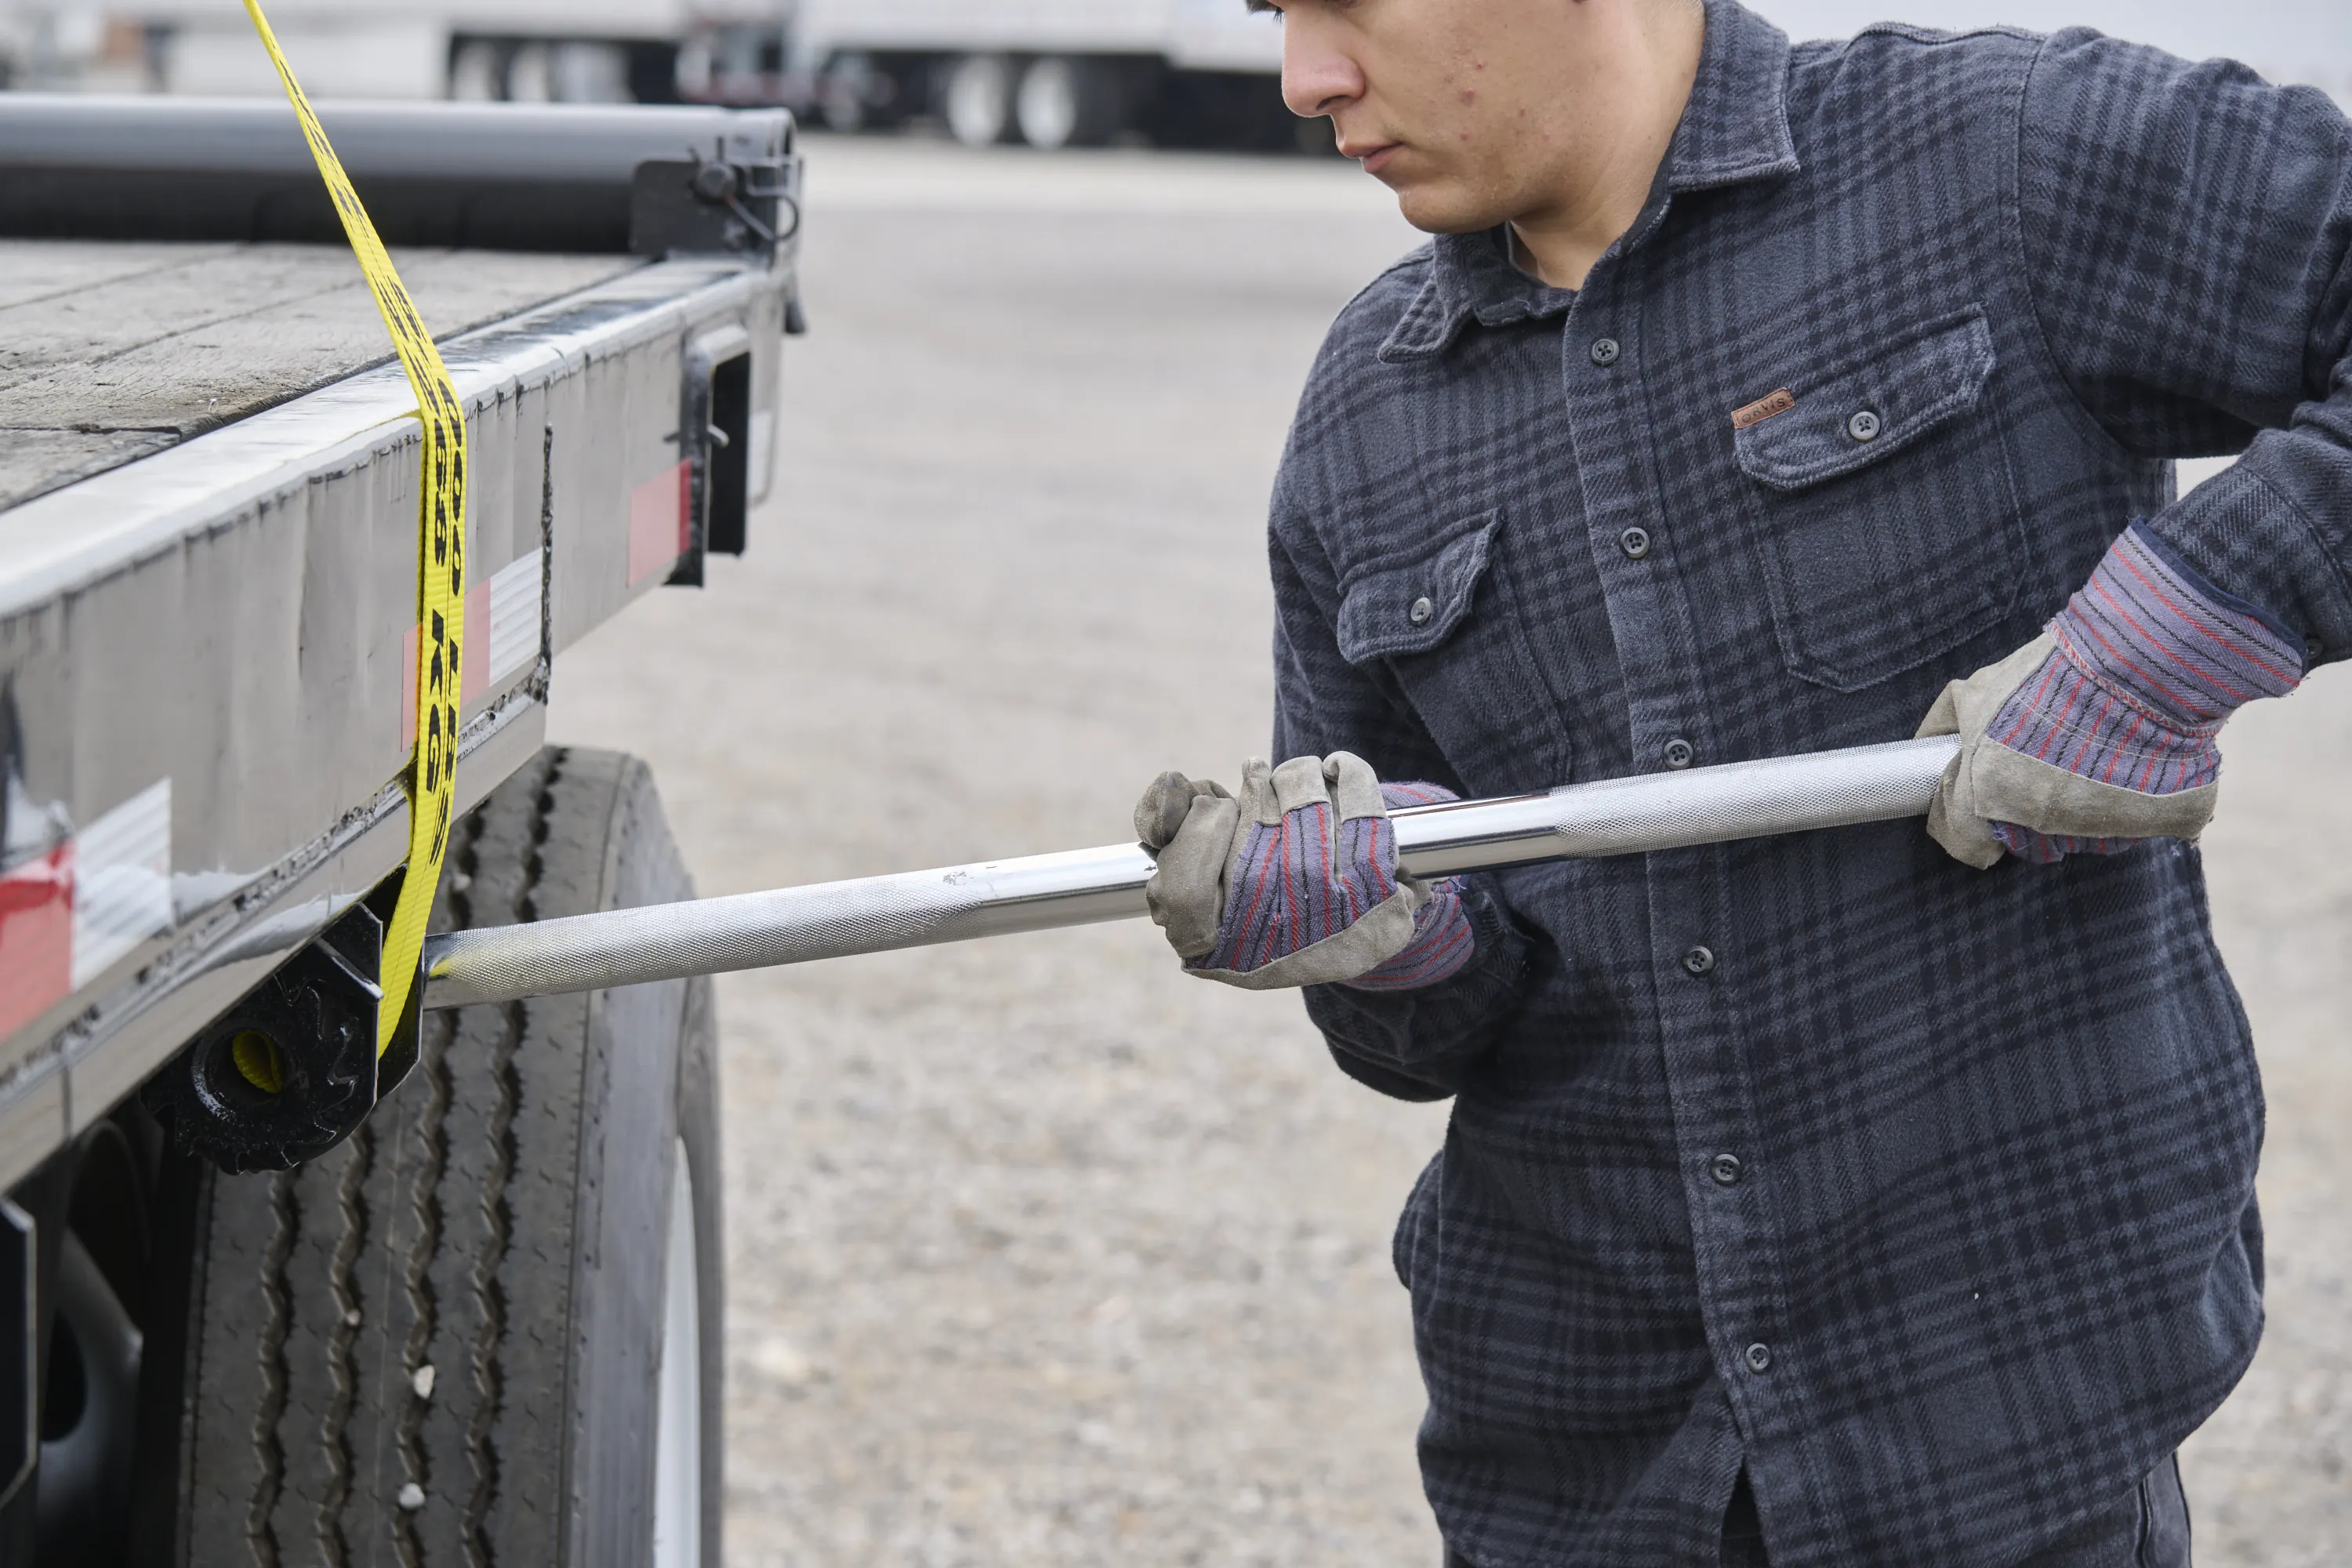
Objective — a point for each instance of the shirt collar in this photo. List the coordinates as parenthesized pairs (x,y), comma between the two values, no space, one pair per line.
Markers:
(1736,127)
(1734,130)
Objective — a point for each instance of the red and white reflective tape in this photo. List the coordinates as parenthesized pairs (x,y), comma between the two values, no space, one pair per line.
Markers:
(660,522)
(70,914)
(509,606)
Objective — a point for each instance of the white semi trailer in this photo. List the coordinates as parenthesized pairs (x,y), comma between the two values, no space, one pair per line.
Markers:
(1051,73)
(560,51)
(1048,72)
(1055,72)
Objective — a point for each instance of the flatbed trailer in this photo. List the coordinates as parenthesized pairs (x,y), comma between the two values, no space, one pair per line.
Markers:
(480,1325)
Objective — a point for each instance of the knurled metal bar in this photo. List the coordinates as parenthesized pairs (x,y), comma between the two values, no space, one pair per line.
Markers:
(1083,887)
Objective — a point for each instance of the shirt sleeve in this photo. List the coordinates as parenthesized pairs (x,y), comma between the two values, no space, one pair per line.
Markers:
(1412,1044)
(2188,240)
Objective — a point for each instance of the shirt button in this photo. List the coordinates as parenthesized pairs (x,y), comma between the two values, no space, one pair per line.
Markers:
(1760,1359)
(1680,755)
(1700,960)
(2312,649)
(1606,353)
(1863,426)
(1634,542)
(1727,1170)
(1422,610)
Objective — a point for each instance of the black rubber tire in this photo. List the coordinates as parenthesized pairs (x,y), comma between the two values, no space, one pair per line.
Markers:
(504,1218)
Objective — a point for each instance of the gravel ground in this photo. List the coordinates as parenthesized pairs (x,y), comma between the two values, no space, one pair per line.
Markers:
(1040,1253)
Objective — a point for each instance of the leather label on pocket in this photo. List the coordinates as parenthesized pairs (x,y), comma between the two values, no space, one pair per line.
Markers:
(1764,408)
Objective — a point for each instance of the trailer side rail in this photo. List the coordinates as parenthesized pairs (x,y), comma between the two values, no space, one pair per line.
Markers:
(203,653)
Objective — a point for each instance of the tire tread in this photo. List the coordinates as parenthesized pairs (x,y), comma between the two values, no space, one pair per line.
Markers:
(447,1225)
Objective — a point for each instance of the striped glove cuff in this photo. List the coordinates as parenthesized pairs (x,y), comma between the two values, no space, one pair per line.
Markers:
(2150,661)
(2165,638)
(1442,939)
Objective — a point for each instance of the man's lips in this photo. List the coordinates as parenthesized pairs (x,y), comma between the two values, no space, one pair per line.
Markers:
(1373,157)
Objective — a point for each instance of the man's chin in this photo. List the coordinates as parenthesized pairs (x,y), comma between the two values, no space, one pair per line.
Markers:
(1435,208)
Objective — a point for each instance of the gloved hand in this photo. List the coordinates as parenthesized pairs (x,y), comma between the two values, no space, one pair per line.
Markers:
(2099,733)
(1295,883)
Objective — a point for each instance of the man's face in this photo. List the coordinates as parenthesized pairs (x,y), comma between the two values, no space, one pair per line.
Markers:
(1473,111)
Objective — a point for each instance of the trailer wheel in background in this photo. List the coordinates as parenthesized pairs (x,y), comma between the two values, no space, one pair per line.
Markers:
(1067,102)
(477,71)
(977,99)
(845,93)
(485,69)
(455,1339)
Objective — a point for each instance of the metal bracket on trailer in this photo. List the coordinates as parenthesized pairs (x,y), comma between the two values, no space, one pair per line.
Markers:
(291,1070)
(714,439)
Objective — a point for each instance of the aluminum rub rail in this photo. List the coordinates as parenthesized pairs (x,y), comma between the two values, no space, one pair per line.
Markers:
(1083,887)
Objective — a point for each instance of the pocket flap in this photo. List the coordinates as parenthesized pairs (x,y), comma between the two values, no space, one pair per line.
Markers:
(1849,419)
(1389,606)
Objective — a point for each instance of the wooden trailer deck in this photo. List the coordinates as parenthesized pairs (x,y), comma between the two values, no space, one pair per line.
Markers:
(113,351)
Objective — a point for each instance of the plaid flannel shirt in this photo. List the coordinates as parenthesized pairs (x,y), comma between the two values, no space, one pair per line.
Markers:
(1925,1193)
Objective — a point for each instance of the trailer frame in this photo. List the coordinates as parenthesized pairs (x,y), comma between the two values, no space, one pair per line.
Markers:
(207,639)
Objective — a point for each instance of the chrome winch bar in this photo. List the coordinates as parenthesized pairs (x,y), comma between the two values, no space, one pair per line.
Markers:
(1083,887)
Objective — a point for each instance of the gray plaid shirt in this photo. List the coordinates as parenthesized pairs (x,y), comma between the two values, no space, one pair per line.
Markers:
(1925,1194)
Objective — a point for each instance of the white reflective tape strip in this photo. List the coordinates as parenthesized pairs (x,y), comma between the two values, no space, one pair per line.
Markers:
(514,616)
(122,881)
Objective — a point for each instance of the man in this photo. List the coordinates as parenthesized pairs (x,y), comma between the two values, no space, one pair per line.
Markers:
(1856,1197)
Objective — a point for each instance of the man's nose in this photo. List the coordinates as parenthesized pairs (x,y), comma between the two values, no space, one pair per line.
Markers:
(1318,76)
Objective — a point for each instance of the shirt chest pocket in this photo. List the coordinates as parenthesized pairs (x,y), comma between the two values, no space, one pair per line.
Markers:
(1438,613)
(1888,512)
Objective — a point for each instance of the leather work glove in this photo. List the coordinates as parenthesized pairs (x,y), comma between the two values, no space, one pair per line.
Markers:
(2099,733)
(1296,882)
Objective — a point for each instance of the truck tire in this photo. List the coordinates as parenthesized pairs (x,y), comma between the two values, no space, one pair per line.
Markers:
(977,99)
(1066,101)
(853,94)
(444,1342)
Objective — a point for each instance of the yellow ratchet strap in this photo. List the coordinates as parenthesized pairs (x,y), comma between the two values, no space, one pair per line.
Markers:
(440,562)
